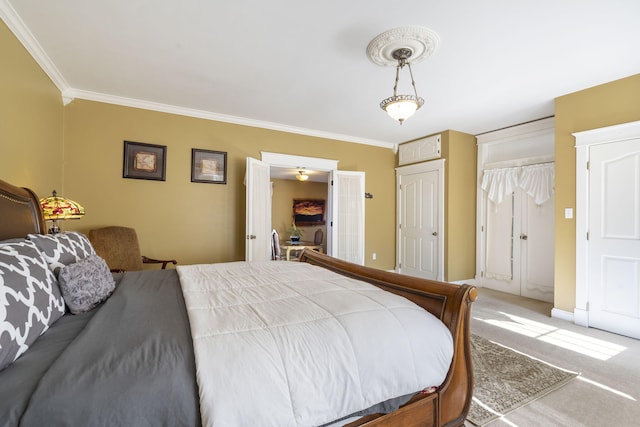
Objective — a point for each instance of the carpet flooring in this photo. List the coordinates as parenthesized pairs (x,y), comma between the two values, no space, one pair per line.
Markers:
(505,380)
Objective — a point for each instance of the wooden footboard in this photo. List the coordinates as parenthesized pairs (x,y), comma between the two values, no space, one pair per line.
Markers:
(448,406)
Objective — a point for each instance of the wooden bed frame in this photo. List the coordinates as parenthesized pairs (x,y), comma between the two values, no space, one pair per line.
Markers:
(446,406)
(449,404)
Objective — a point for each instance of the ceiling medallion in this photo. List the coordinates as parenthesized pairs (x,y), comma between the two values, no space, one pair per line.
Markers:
(402,47)
(422,42)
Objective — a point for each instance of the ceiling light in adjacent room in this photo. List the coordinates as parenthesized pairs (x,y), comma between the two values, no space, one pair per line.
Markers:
(302,176)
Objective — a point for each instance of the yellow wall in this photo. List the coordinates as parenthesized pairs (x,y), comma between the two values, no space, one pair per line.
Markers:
(197,222)
(284,191)
(31,149)
(459,150)
(605,105)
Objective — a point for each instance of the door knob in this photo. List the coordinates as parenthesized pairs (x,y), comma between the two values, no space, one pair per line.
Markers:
(523,237)
(435,233)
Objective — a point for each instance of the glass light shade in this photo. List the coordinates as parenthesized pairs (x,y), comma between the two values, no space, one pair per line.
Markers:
(302,176)
(60,208)
(401,107)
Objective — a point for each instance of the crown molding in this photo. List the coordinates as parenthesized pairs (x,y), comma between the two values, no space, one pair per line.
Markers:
(207,115)
(22,33)
(518,132)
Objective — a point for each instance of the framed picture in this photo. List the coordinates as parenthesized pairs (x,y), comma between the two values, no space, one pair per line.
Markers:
(308,212)
(208,166)
(144,161)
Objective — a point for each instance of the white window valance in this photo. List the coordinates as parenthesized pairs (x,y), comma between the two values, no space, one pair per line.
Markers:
(538,181)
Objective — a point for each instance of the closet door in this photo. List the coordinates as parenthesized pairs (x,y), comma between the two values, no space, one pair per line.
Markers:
(537,249)
(420,219)
(498,271)
(518,231)
(418,230)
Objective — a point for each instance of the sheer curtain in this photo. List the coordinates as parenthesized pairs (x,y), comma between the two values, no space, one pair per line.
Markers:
(536,180)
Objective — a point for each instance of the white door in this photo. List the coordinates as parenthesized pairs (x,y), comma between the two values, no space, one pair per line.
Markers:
(258,211)
(520,246)
(614,237)
(537,249)
(346,209)
(498,271)
(418,224)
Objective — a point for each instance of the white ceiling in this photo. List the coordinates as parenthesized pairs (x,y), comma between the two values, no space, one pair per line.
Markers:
(301,66)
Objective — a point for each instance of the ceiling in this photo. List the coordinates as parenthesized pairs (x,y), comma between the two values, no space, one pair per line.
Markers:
(301,67)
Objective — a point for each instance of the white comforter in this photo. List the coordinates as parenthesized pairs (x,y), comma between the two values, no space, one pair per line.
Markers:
(291,344)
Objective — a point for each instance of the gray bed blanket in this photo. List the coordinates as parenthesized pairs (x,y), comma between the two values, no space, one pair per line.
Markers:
(128,363)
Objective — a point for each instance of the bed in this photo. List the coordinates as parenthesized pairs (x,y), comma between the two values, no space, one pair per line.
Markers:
(141,354)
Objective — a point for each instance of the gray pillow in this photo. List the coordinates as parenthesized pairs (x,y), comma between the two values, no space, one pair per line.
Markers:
(63,248)
(30,299)
(85,284)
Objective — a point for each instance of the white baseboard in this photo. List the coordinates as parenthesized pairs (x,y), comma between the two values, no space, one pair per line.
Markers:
(561,314)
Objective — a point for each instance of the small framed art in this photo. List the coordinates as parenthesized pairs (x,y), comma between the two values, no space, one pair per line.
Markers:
(208,166)
(144,161)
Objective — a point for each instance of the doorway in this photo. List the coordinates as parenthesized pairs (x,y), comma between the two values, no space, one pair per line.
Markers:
(515,210)
(344,206)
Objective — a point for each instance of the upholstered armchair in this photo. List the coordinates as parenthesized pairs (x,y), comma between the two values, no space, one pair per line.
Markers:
(120,249)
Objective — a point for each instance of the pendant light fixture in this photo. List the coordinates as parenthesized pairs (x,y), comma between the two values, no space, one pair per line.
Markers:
(402,47)
(302,176)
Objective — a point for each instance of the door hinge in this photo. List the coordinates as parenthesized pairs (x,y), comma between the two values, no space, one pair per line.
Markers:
(587,235)
(588,165)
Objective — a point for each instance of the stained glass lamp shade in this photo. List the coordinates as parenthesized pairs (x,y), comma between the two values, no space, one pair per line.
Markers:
(56,208)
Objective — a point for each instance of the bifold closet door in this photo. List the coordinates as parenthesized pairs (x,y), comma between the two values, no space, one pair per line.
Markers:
(519,247)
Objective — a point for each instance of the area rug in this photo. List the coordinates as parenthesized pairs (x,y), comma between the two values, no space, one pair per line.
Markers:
(506,380)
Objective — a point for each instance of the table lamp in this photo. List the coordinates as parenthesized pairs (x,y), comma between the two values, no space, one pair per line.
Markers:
(55,208)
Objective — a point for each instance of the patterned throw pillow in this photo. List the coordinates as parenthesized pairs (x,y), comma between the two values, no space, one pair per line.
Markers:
(86,284)
(63,248)
(30,299)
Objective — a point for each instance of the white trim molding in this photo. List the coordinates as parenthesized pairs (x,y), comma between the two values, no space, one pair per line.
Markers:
(299,162)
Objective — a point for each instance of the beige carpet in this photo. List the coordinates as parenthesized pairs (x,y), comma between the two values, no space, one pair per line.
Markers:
(506,380)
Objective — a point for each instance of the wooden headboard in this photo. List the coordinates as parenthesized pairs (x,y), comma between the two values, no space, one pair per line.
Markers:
(20,212)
